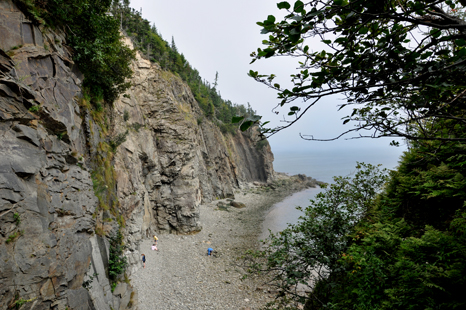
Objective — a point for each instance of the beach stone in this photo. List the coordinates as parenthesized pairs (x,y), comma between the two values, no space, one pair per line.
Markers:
(238,205)
(223,208)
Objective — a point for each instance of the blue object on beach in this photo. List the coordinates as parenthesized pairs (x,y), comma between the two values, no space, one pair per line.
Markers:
(209,251)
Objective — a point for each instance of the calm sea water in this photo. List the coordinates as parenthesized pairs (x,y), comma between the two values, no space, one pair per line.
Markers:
(321,165)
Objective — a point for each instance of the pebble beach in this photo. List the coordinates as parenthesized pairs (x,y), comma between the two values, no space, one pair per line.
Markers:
(181,275)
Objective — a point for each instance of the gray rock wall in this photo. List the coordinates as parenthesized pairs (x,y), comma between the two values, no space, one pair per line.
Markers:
(52,225)
(174,158)
(48,248)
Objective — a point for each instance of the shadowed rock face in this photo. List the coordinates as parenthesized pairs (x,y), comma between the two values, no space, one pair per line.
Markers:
(170,163)
(173,157)
(46,198)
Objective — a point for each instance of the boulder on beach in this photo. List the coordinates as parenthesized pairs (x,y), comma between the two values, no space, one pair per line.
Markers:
(238,205)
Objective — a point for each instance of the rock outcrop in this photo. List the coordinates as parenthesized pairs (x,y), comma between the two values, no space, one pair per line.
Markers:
(166,160)
(173,158)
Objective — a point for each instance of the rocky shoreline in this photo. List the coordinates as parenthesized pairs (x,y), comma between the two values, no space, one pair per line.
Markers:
(181,276)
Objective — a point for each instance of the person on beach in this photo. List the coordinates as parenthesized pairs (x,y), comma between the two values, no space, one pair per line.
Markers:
(155,240)
(209,251)
(154,247)
(144,260)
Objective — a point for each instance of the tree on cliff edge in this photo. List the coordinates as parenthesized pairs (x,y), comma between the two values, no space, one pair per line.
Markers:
(400,64)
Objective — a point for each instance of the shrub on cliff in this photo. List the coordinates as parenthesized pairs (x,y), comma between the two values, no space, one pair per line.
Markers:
(94,38)
(117,262)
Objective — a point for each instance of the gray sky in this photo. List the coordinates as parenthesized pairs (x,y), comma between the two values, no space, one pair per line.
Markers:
(219,36)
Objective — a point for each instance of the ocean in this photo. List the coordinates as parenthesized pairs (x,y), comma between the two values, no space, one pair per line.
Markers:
(322,165)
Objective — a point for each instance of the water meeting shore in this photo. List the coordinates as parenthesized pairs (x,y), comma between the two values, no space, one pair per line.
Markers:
(181,275)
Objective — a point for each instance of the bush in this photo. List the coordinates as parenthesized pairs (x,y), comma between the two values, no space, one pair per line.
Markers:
(119,139)
(261,144)
(34,109)
(310,250)
(117,261)
(94,37)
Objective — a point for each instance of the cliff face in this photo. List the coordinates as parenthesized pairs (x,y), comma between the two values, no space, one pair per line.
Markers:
(54,211)
(173,158)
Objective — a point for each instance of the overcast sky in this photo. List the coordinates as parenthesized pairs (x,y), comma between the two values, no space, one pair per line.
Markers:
(218,36)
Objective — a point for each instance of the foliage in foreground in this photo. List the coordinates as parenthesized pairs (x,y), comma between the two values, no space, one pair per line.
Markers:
(400,65)
(404,248)
(308,251)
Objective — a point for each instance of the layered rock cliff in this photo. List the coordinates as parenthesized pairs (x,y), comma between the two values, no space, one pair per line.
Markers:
(70,176)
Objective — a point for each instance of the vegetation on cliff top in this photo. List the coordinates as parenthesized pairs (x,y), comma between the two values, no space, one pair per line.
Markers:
(151,44)
(93,34)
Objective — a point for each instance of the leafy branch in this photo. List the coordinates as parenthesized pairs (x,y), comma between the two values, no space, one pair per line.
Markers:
(397,86)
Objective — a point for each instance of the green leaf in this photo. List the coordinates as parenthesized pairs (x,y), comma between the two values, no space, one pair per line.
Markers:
(283,5)
(245,126)
(363,30)
(236,119)
(426,55)
(341,40)
(460,42)
(294,108)
(298,7)
(435,33)
(461,52)
(253,74)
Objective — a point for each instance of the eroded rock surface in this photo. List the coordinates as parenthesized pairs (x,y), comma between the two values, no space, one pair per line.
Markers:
(174,158)
(48,247)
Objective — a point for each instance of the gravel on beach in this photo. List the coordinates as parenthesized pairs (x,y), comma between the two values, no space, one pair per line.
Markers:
(181,275)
